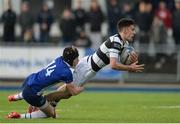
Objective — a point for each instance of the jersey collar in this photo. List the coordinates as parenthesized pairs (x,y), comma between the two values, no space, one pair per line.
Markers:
(121,41)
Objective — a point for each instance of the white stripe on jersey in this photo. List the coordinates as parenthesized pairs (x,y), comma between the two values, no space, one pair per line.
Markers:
(104,49)
(98,61)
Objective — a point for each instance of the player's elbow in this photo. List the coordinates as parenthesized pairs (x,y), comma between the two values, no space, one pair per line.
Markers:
(77,90)
(113,67)
(113,63)
(75,93)
(74,90)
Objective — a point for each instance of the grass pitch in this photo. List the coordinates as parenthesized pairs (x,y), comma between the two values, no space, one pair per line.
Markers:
(112,107)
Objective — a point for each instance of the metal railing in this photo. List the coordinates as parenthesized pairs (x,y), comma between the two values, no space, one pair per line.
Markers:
(162,64)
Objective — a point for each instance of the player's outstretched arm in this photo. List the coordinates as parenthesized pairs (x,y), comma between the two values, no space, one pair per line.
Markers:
(134,67)
(64,92)
(60,93)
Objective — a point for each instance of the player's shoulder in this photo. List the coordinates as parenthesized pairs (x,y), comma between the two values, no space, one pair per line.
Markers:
(116,41)
(113,36)
(59,61)
(59,58)
(64,70)
(68,72)
(116,38)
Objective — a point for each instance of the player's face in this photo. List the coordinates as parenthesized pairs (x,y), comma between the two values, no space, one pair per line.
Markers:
(130,33)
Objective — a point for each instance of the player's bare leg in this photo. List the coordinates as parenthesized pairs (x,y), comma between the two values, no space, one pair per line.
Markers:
(46,108)
(64,92)
(53,98)
(36,114)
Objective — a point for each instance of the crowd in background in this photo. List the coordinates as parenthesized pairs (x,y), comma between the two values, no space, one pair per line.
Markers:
(158,21)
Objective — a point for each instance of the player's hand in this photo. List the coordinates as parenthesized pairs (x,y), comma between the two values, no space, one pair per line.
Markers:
(133,57)
(134,67)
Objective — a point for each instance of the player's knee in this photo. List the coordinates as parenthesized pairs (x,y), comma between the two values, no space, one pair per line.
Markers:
(48,109)
(68,96)
(62,88)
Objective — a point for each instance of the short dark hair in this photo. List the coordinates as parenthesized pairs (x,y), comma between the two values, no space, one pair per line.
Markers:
(69,54)
(124,22)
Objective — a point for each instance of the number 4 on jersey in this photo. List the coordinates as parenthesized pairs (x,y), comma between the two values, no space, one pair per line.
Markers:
(50,68)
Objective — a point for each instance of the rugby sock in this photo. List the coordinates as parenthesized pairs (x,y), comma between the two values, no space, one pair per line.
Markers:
(54,103)
(18,96)
(36,114)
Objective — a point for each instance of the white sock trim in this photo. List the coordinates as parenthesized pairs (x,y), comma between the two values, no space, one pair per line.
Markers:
(18,96)
(36,114)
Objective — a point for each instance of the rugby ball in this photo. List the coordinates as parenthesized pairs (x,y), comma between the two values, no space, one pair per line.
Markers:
(125,55)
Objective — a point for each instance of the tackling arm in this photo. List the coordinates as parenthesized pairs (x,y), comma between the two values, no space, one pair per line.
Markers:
(74,90)
(64,92)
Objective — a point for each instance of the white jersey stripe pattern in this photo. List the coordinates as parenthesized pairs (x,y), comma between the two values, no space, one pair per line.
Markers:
(112,47)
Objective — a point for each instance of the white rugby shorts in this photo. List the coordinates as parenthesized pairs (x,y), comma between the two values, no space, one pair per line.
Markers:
(83,71)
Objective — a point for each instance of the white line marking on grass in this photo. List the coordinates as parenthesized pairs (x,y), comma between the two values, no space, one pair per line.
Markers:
(169,106)
(163,107)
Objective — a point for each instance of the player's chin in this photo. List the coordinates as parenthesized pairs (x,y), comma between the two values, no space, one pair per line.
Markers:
(131,39)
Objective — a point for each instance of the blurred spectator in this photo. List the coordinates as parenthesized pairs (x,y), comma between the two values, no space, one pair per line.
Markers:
(9,21)
(26,22)
(80,16)
(164,14)
(45,20)
(176,22)
(170,5)
(158,31)
(95,19)
(68,26)
(159,37)
(144,18)
(50,4)
(82,40)
(127,11)
(114,14)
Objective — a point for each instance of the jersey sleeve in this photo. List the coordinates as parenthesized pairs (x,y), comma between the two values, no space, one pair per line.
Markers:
(114,49)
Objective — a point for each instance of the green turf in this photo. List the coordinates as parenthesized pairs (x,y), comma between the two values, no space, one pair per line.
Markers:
(106,107)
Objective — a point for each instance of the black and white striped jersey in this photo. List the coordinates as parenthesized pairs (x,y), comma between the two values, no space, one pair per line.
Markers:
(112,47)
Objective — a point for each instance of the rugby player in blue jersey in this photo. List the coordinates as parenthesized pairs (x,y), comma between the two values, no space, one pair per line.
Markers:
(59,70)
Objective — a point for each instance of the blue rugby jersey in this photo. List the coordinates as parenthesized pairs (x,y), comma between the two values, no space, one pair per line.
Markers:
(56,71)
